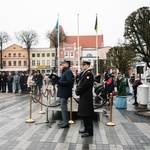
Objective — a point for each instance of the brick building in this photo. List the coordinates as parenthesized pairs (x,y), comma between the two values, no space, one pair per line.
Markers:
(75,46)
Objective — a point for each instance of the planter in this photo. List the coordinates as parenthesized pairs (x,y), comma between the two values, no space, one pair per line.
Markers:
(121,102)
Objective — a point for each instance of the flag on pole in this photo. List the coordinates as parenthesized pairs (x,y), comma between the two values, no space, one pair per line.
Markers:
(57,57)
(56,27)
(96,25)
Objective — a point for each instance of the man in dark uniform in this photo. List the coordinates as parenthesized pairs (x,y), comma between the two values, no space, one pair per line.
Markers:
(84,90)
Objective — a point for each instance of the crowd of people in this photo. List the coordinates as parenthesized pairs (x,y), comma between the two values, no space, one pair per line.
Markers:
(84,89)
(23,82)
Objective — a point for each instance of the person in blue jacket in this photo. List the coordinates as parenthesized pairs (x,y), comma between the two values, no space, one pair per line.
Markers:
(65,85)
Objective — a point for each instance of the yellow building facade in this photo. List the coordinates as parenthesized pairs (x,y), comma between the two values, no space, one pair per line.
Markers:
(14,58)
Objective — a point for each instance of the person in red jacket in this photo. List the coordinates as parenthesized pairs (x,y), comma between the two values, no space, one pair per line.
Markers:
(109,84)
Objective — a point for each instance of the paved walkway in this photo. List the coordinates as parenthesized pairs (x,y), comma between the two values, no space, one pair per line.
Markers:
(132,132)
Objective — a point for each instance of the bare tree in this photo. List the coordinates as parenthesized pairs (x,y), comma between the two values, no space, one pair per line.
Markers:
(137,32)
(53,37)
(4,38)
(28,38)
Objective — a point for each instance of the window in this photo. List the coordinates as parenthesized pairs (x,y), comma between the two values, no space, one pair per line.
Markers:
(43,62)
(48,54)
(4,63)
(38,54)
(25,63)
(76,63)
(19,54)
(71,63)
(14,63)
(9,63)
(14,54)
(19,63)
(9,54)
(48,62)
(53,63)
(33,62)
(33,55)
(71,54)
(38,62)
(66,54)
(89,55)
(53,54)
(43,54)
(43,71)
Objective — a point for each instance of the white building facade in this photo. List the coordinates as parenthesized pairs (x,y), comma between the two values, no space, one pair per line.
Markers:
(42,59)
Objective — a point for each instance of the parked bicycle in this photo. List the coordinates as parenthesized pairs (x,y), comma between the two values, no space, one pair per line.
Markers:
(101,96)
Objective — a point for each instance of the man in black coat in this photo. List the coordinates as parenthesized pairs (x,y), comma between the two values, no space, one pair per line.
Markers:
(84,90)
(65,85)
(3,82)
(39,81)
(10,82)
(22,82)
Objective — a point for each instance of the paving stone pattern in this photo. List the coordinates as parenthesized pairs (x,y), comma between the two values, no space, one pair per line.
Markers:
(130,133)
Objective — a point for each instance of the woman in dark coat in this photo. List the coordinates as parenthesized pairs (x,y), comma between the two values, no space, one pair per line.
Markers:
(65,85)
(136,83)
(84,90)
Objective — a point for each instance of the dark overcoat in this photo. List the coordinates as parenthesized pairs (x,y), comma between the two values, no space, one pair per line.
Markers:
(65,83)
(85,91)
(136,83)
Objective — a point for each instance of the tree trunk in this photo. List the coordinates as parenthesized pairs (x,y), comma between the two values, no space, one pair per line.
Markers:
(28,60)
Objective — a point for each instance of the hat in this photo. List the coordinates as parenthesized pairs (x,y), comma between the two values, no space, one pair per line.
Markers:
(66,61)
(85,62)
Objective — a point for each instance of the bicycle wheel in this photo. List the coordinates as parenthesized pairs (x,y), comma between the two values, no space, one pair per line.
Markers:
(99,102)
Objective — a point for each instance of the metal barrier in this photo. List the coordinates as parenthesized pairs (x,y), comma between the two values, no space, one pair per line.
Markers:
(71,121)
(111,103)
(30,120)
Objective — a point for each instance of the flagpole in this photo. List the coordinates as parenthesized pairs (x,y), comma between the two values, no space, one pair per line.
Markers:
(96,28)
(78,43)
(58,68)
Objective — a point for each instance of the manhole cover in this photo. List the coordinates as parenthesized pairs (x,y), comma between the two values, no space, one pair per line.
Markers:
(144,113)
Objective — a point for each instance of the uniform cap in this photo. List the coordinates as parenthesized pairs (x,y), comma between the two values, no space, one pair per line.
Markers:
(85,62)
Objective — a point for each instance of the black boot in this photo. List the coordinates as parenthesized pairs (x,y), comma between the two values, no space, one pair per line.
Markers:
(135,103)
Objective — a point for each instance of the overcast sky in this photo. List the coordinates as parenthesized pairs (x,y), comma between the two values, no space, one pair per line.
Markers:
(41,16)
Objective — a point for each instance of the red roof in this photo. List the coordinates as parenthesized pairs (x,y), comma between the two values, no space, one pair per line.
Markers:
(86,41)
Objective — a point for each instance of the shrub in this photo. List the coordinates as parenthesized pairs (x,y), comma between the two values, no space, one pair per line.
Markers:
(122,88)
